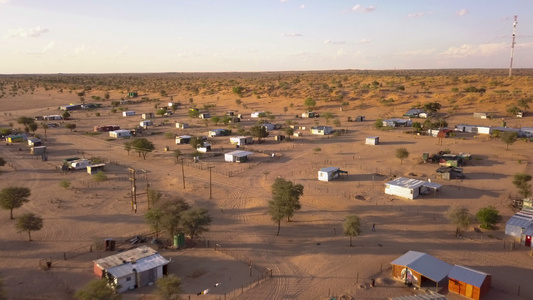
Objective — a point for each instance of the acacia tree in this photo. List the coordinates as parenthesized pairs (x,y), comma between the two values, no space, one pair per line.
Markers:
(310,103)
(488,216)
(14,197)
(142,146)
(508,138)
(521,180)
(168,287)
(285,200)
(45,127)
(401,154)
(127,147)
(97,289)
(153,218)
(195,221)
(33,127)
(460,217)
(172,212)
(29,222)
(352,227)
(259,132)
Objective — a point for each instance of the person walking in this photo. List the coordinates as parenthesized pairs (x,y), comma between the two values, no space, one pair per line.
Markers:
(374,227)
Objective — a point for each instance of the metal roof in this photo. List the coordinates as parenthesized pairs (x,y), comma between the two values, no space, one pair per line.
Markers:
(421,297)
(140,265)
(529,230)
(126,256)
(432,185)
(520,219)
(406,182)
(329,169)
(425,264)
(467,275)
(239,153)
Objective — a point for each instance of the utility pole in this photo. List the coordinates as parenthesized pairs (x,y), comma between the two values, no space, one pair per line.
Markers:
(512,45)
(210,191)
(133,190)
(183,173)
(147,188)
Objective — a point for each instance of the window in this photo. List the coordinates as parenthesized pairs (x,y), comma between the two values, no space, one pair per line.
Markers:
(128,279)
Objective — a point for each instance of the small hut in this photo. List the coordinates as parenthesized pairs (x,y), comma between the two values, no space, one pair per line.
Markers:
(467,282)
(372,140)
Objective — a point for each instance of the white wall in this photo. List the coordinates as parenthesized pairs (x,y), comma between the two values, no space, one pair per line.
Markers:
(401,191)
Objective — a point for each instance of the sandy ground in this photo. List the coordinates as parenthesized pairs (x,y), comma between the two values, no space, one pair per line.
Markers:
(311,258)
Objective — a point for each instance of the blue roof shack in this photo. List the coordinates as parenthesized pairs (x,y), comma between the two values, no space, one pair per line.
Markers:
(520,226)
(467,282)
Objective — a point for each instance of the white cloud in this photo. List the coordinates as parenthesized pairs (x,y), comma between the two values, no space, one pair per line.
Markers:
(48,46)
(282,1)
(365,41)
(462,12)
(302,6)
(359,7)
(79,49)
(21,33)
(328,41)
(474,50)
(291,34)
(419,14)
(341,52)
(4,1)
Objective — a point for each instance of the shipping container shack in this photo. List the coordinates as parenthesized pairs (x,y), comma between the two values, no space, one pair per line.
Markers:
(132,269)
(93,169)
(421,270)
(410,188)
(128,113)
(106,128)
(35,142)
(467,282)
(241,140)
(520,226)
(372,140)
(321,130)
(237,156)
(121,133)
(145,123)
(38,150)
(146,116)
(182,125)
(330,173)
(183,139)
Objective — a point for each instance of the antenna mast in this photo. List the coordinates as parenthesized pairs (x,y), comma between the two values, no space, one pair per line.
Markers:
(512,46)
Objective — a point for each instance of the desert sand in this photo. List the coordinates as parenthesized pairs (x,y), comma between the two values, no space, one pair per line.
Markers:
(311,258)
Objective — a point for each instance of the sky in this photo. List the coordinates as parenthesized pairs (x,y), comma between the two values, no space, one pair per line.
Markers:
(126,36)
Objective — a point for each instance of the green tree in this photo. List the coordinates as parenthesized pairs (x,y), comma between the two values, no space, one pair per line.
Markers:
(168,287)
(14,197)
(127,147)
(153,218)
(64,183)
(100,176)
(488,216)
(97,289)
(196,141)
(25,120)
(172,212)
(259,132)
(237,90)
(337,122)
(142,146)
(524,103)
(327,116)
(285,200)
(521,182)
(460,217)
(66,115)
(432,107)
(310,103)
(161,112)
(215,120)
(508,137)
(352,227)
(29,222)
(33,127)
(513,110)
(193,113)
(289,131)
(195,221)
(378,124)
(401,154)
(70,126)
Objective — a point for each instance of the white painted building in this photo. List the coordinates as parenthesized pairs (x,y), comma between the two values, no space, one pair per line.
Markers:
(410,188)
